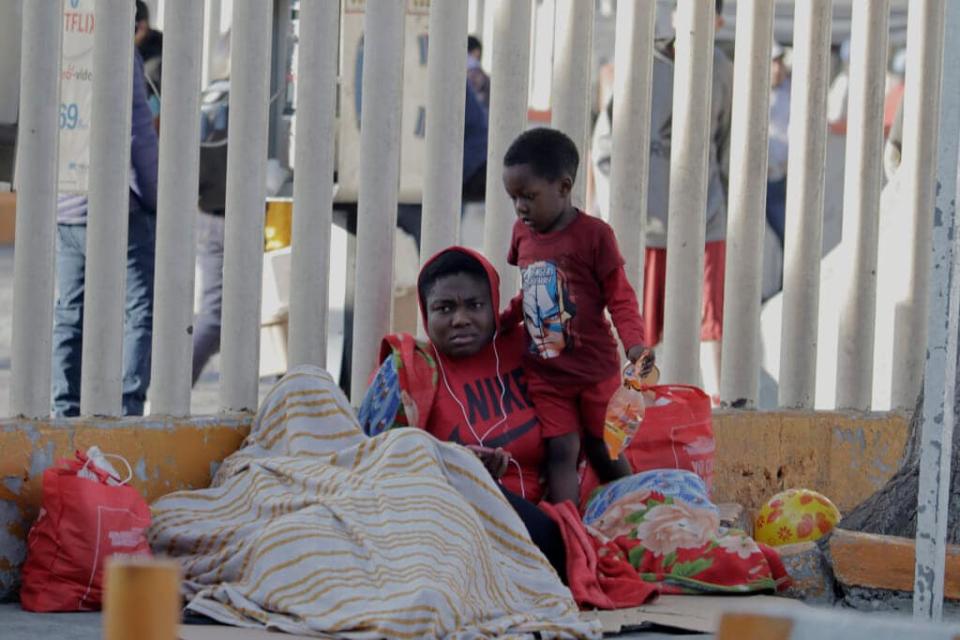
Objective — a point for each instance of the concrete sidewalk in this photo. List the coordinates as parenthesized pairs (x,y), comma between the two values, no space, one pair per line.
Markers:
(17,624)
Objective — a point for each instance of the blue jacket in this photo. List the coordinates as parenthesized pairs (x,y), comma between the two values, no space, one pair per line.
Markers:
(474,134)
(72,208)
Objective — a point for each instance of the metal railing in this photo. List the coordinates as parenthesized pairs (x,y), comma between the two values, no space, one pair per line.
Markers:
(929,162)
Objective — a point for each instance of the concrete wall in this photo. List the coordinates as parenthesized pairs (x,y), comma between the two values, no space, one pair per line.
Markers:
(846,456)
(165,455)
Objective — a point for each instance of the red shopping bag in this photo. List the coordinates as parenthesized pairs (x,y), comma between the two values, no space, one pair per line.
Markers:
(676,433)
(84,519)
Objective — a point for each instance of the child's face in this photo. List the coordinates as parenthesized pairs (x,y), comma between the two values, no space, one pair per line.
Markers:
(538,202)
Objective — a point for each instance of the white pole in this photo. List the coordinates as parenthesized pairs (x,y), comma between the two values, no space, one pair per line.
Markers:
(246,199)
(313,182)
(630,157)
(446,92)
(572,67)
(33,270)
(108,209)
(921,101)
(693,78)
(379,180)
(475,19)
(508,118)
(178,176)
(740,375)
(940,380)
(861,207)
(804,224)
(211,40)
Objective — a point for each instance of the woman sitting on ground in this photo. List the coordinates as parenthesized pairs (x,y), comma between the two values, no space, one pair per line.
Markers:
(467,386)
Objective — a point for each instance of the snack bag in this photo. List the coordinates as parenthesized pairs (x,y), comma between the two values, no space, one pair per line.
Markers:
(624,413)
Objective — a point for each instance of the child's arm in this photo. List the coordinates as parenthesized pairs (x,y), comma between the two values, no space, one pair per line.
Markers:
(625,311)
(562,481)
(607,470)
(513,314)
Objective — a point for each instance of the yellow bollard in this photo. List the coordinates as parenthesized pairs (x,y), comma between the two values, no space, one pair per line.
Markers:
(141,599)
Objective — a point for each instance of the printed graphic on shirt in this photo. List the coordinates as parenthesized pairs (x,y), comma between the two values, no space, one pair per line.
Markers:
(547,309)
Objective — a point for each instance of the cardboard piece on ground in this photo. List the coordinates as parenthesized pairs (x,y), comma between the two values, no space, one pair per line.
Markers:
(688,613)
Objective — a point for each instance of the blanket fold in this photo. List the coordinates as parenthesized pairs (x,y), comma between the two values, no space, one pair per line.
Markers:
(313,528)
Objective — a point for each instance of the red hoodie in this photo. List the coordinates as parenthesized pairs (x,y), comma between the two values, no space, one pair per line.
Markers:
(469,404)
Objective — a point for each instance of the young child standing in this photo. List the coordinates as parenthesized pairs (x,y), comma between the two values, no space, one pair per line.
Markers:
(571,271)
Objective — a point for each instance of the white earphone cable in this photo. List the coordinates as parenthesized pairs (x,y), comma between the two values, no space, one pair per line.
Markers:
(463,410)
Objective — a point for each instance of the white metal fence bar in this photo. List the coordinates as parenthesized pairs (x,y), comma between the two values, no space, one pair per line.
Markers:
(693,75)
(313,183)
(33,269)
(475,19)
(246,194)
(740,375)
(805,188)
(863,175)
(178,177)
(630,155)
(379,174)
(446,86)
(921,101)
(570,89)
(509,80)
(108,204)
(940,380)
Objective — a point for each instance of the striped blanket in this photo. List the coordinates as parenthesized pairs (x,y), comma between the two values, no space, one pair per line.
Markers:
(313,528)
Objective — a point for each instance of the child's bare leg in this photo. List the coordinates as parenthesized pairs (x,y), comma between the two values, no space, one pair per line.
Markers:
(562,480)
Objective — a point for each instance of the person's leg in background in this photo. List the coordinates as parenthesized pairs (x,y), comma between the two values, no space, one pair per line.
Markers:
(68,319)
(138,324)
(777,207)
(206,326)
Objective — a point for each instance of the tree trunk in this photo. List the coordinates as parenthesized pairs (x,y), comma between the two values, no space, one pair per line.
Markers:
(893,509)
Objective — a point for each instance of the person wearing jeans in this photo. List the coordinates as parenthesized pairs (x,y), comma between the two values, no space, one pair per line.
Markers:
(138,316)
(71,265)
(206,324)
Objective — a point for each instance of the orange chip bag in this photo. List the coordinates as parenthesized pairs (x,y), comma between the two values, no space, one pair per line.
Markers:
(624,413)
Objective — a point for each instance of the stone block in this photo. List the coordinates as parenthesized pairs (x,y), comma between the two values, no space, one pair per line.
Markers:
(884,562)
(810,573)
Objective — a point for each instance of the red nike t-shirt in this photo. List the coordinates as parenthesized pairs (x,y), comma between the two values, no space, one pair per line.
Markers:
(568,278)
(471,408)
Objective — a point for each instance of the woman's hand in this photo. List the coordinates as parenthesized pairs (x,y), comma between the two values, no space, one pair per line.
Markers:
(643,358)
(495,460)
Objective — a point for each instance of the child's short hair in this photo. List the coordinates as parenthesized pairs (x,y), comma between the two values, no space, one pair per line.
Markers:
(550,153)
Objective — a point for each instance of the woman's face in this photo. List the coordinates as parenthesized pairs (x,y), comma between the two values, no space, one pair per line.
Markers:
(460,316)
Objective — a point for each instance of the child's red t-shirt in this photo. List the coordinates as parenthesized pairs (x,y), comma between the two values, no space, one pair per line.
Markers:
(568,278)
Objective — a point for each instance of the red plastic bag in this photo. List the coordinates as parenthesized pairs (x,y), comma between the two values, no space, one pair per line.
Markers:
(677,433)
(84,519)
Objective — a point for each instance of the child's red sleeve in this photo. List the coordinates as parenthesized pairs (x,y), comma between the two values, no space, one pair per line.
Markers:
(513,314)
(624,308)
(618,293)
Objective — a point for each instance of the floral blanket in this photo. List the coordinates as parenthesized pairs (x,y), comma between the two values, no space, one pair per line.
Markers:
(662,524)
